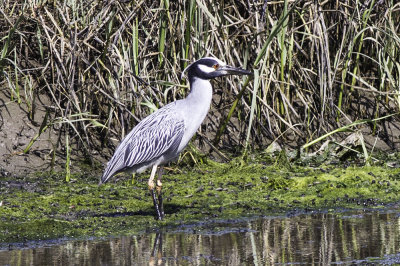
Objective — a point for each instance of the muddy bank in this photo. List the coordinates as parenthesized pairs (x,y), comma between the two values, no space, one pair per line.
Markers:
(44,206)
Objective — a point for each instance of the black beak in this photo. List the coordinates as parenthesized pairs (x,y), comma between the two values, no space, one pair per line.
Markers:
(230,70)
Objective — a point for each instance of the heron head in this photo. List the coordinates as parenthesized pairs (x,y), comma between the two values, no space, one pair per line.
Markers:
(209,68)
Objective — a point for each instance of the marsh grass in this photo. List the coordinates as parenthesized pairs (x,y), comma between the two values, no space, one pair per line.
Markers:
(104,65)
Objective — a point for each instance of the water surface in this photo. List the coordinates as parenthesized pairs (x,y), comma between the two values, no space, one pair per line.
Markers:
(311,238)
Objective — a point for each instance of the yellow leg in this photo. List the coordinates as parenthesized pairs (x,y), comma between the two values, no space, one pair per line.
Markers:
(157,202)
(151,179)
(160,173)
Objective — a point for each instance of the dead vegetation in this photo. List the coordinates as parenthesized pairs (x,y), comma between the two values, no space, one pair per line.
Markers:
(104,65)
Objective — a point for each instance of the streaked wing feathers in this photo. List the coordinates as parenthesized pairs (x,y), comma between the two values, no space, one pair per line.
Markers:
(154,140)
(156,135)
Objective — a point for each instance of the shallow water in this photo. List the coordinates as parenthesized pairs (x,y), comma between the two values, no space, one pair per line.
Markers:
(312,238)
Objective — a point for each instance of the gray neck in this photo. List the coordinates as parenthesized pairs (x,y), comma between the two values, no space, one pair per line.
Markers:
(196,106)
(200,94)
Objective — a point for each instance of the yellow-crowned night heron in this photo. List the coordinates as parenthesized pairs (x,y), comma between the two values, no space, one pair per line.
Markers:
(161,136)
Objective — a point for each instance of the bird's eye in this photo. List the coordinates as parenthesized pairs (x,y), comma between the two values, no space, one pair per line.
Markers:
(216,66)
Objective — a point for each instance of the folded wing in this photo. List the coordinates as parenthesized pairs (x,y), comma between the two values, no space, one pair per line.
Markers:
(158,134)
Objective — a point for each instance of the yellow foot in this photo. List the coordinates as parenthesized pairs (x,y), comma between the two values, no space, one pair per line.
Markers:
(151,185)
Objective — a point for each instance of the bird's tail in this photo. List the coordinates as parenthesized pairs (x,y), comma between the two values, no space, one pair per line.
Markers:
(104,178)
(114,166)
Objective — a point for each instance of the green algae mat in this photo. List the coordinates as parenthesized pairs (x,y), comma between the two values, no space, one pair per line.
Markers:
(44,206)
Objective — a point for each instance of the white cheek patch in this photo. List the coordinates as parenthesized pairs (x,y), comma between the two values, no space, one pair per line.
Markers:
(206,69)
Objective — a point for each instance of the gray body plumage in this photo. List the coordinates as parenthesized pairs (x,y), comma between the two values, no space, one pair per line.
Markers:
(161,136)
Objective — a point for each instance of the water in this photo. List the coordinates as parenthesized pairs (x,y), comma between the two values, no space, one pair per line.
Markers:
(317,238)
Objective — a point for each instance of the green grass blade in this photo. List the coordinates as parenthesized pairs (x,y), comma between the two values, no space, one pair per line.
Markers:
(68,160)
(42,128)
(253,106)
(279,25)
(346,128)
(231,112)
